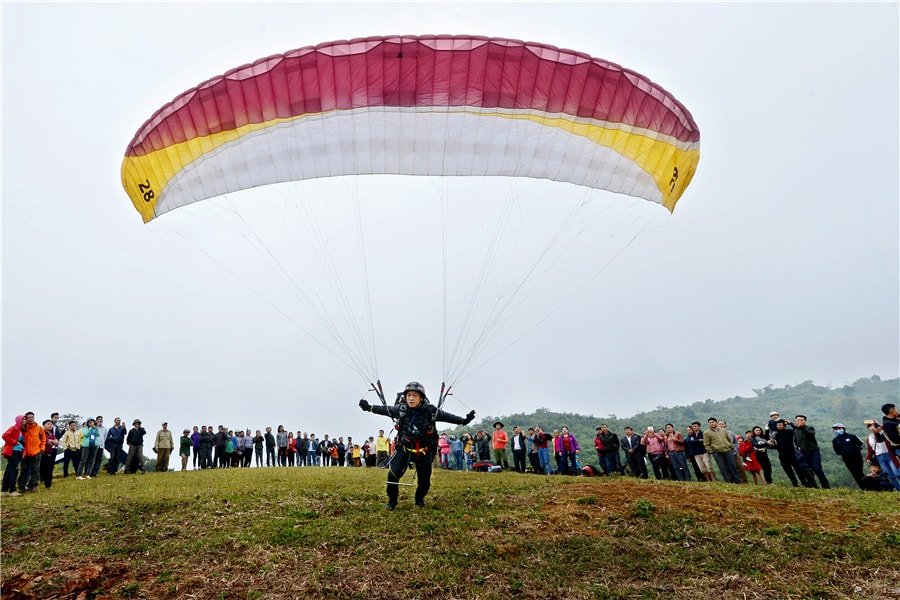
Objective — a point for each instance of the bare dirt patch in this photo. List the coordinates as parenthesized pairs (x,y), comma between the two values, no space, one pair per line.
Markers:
(619,497)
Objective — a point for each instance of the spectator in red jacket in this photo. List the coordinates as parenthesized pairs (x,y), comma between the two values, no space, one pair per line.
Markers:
(13,447)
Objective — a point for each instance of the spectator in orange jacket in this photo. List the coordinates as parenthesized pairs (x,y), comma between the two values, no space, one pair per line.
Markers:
(34,441)
(499,441)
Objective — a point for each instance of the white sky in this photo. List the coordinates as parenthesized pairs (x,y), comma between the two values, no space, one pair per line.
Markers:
(779,265)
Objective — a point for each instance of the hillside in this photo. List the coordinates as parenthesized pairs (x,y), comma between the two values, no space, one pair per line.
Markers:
(282,534)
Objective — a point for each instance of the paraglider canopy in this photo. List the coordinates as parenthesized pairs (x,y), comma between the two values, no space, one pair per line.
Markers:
(415,105)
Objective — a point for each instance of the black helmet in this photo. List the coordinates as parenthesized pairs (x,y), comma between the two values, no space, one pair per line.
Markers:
(415,386)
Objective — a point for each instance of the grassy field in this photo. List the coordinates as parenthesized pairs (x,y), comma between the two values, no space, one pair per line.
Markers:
(317,533)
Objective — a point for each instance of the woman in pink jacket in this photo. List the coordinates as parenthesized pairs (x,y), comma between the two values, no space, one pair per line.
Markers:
(13,445)
(566,447)
(444,447)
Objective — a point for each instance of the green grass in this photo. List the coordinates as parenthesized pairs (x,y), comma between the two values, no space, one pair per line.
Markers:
(312,533)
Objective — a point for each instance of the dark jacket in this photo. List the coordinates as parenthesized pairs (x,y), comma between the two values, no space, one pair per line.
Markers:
(847,444)
(483,447)
(805,439)
(610,442)
(522,441)
(136,436)
(115,435)
(693,444)
(784,442)
(891,431)
(206,440)
(760,443)
(636,445)
(542,440)
(416,426)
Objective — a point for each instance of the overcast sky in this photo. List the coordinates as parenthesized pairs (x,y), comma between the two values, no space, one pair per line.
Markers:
(779,265)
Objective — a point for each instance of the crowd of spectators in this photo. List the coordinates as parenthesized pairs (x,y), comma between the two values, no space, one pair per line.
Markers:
(709,453)
(32,450)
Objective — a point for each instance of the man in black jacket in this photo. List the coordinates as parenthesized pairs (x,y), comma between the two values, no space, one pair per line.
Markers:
(135,441)
(891,427)
(207,439)
(270,448)
(783,442)
(610,461)
(847,446)
(416,439)
(805,440)
(219,438)
(115,440)
(634,453)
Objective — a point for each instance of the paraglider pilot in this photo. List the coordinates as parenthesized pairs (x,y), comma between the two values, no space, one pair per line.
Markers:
(416,438)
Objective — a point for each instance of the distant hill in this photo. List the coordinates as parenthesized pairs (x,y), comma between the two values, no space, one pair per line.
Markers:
(824,406)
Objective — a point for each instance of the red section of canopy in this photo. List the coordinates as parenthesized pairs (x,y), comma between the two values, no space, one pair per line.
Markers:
(417,71)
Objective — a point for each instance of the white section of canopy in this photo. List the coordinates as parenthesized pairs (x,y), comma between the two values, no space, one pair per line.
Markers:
(405,142)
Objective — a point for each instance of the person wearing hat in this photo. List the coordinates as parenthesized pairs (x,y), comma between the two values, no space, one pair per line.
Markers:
(498,444)
(163,447)
(415,418)
(878,453)
(185,444)
(771,428)
(847,446)
(135,441)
